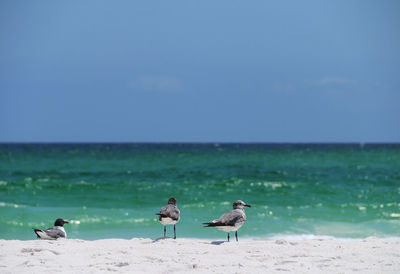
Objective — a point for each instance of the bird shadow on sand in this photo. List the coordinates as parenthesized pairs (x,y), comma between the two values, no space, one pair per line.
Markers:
(218,242)
(161,238)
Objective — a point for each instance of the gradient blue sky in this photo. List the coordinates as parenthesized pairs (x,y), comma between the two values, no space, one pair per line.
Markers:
(200,71)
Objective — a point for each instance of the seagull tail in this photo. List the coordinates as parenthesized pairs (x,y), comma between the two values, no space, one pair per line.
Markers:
(36,231)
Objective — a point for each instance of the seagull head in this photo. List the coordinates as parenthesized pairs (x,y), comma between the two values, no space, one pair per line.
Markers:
(172,201)
(239,204)
(60,222)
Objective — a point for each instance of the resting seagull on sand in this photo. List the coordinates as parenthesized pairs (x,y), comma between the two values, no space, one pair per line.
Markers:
(169,215)
(232,220)
(53,233)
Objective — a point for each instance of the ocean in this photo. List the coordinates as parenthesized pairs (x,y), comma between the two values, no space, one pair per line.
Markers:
(114,190)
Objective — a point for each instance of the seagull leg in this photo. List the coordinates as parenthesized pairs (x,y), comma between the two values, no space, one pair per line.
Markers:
(174,232)
(236,236)
(165,231)
(228,236)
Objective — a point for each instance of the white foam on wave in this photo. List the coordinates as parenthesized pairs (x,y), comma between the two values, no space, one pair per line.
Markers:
(4,204)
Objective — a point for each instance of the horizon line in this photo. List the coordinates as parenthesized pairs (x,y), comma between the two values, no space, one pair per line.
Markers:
(205,142)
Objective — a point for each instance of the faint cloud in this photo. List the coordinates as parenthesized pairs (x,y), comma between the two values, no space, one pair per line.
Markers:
(331,81)
(156,83)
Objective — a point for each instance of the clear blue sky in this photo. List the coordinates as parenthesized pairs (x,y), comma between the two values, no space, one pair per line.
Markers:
(199,71)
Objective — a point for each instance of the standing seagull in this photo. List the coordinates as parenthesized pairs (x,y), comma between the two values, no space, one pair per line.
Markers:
(53,233)
(232,220)
(169,215)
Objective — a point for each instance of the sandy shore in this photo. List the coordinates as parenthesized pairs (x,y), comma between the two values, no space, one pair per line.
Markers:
(200,256)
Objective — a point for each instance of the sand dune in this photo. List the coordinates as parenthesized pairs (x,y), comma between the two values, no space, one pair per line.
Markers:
(137,255)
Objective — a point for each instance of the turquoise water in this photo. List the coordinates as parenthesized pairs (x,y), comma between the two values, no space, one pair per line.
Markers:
(114,190)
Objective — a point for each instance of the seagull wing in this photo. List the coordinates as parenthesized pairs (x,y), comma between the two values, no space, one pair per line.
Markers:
(50,233)
(55,233)
(169,211)
(228,219)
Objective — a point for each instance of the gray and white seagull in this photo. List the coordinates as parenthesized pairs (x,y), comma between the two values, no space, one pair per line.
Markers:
(232,220)
(54,233)
(169,215)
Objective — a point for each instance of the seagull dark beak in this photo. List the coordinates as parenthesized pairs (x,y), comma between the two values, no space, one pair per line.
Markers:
(66,222)
(248,205)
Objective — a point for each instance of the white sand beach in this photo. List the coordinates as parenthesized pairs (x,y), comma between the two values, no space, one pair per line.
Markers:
(137,255)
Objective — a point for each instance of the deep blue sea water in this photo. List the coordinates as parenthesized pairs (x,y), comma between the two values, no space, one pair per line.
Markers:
(114,190)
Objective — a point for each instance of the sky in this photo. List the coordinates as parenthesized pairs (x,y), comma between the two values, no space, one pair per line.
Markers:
(200,71)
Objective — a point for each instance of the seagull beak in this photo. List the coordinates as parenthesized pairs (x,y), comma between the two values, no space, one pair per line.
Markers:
(66,222)
(248,205)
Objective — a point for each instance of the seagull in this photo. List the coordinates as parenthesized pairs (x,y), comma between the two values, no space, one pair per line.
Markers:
(53,233)
(169,215)
(232,220)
